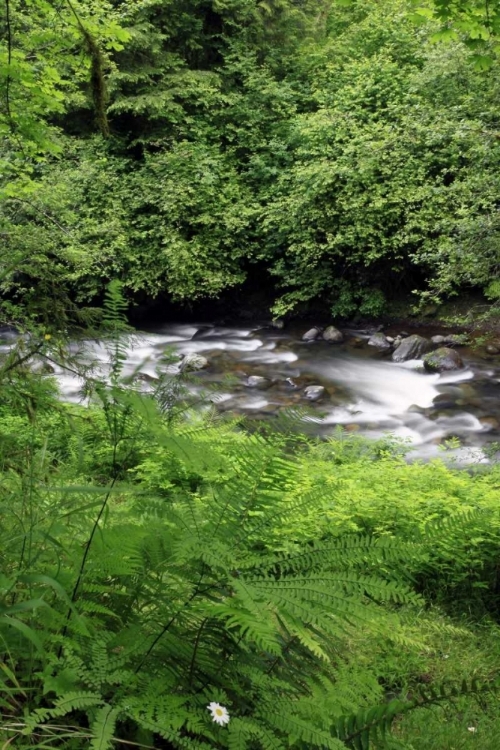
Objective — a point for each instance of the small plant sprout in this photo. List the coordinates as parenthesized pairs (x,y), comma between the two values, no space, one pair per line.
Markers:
(219,713)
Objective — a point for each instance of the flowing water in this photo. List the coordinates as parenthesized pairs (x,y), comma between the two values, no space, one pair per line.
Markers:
(365,392)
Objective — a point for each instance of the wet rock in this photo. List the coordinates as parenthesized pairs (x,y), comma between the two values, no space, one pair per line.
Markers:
(456,339)
(356,342)
(312,334)
(333,335)
(278,323)
(353,427)
(404,334)
(42,368)
(145,377)
(8,333)
(443,360)
(493,349)
(193,363)
(416,409)
(314,392)
(390,339)
(438,340)
(412,347)
(396,342)
(490,422)
(380,341)
(291,384)
(444,401)
(259,382)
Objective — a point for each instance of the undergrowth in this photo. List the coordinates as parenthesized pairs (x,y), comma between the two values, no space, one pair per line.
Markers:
(151,564)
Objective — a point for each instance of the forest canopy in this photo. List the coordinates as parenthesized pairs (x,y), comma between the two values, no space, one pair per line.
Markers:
(344,152)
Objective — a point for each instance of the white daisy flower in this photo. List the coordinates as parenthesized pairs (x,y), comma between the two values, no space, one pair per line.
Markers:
(219,713)
(472,729)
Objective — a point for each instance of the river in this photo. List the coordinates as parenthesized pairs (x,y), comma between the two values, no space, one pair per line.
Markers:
(365,392)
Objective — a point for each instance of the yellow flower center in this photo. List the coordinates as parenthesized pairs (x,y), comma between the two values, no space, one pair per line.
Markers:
(219,711)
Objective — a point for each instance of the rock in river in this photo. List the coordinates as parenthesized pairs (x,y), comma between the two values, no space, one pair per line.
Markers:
(442,360)
(493,349)
(314,392)
(380,341)
(193,362)
(312,334)
(257,381)
(411,348)
(333,335)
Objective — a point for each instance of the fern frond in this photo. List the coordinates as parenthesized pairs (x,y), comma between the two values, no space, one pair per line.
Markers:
(362,729)
(103,727)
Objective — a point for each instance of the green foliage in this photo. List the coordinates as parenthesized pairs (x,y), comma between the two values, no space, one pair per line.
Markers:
(150,566)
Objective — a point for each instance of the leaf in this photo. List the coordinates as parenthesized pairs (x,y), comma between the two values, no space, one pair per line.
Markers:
(28,632)
(103,727)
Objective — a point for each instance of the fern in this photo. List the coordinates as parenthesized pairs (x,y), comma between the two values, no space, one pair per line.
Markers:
(103,727)
(361,730)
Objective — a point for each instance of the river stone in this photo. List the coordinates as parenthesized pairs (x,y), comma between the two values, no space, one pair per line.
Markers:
(490,422)
(193,362)
(257,381)
(443,359)
(439,340)
(333,335)
(314,392)
(444,401)
(380,341)
(456,339)
(412,347)
(311,335)
(492,349)
(43,368)
(291,383)
(390,339)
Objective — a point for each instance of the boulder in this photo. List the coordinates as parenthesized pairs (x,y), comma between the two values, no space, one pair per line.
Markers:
(333,335)
(8,333)
(314,392)
(456,339)
(493,349)
(257,381)
(193,362)
(443,360)
(438,340)
(412,347)
(380,341)
(312,334)
(396,342)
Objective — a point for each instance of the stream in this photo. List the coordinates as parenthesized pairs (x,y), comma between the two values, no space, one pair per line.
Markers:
(365,392)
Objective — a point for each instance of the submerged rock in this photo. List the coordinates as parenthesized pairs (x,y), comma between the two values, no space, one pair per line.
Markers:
(412,347)
(380,341)
(312,334)
(333,335)
(193,363)
(257,381)
(314,392)
(443,360)
(493,349)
